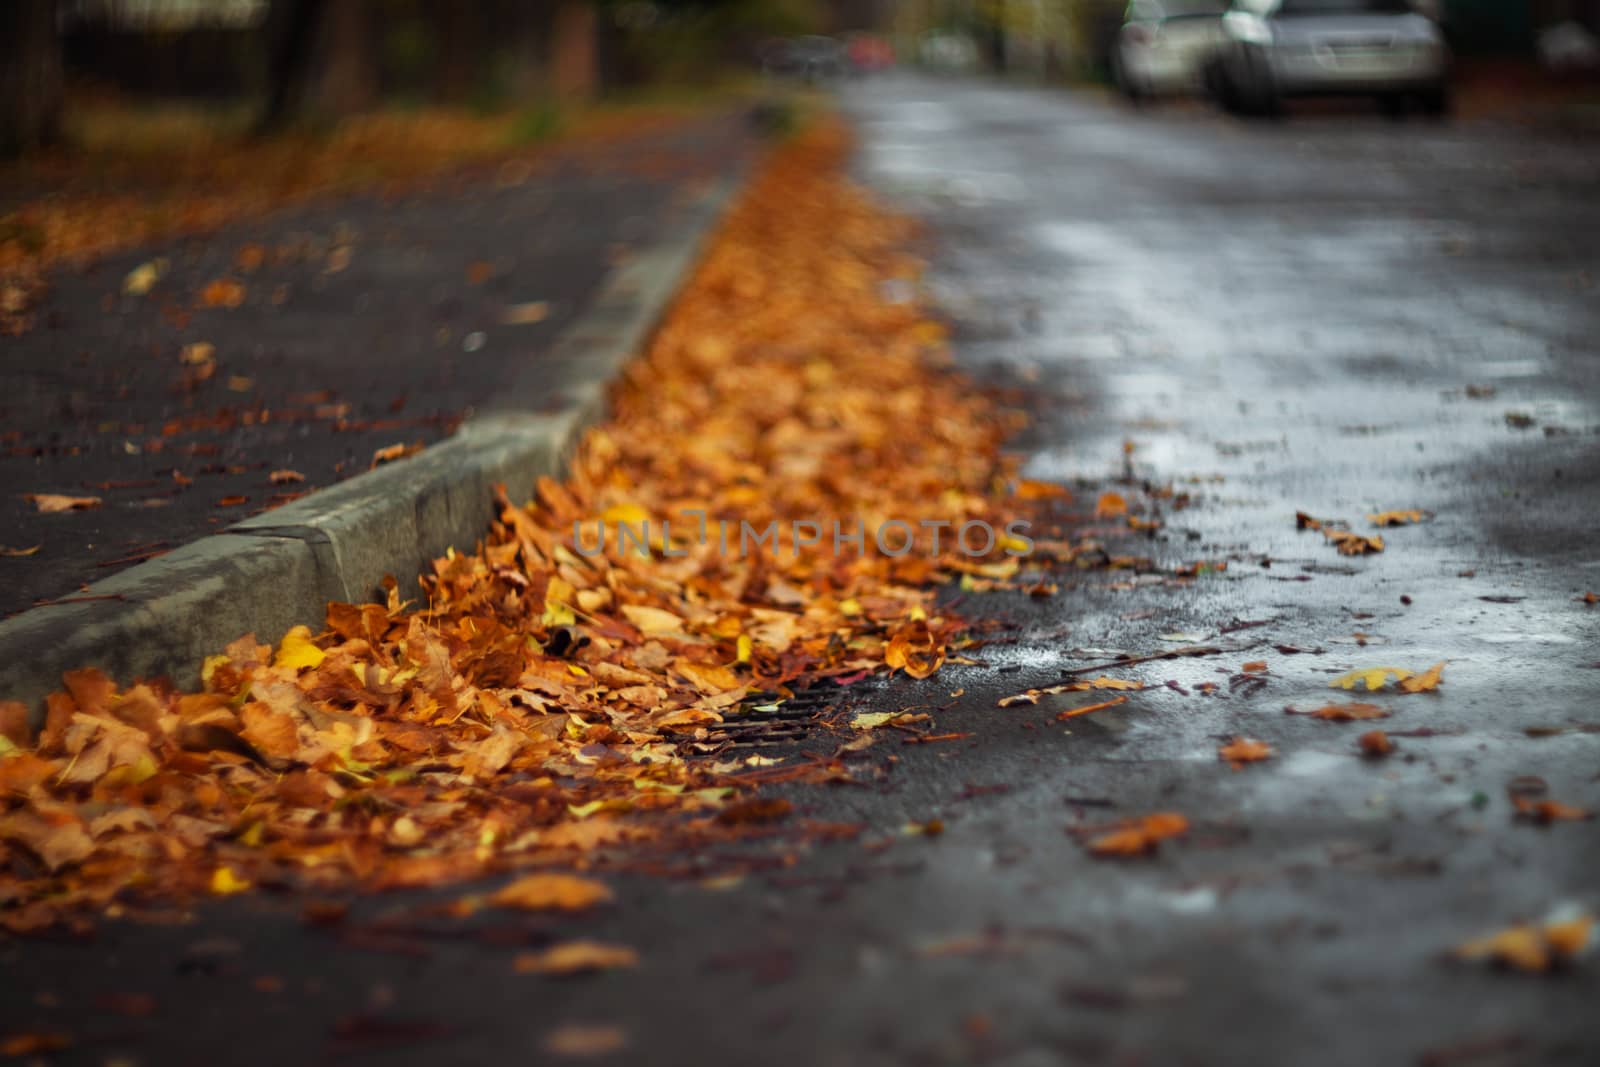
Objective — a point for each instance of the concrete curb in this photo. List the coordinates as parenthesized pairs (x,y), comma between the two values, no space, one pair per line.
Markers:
(280,569)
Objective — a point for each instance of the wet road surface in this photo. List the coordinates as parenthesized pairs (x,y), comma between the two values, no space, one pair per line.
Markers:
(1336,315)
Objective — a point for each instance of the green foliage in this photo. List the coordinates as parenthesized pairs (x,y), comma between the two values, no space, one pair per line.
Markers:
(536,124)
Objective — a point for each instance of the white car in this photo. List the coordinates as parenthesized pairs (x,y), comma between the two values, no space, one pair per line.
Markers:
(1163,46)
(1276,49)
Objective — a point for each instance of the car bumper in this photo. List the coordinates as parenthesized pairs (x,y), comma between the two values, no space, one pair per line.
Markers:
(1323,71)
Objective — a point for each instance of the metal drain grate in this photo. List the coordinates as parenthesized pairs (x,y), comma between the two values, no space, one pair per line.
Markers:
(769,719)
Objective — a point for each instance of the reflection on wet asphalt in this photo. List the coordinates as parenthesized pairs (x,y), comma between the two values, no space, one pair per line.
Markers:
(1332,314)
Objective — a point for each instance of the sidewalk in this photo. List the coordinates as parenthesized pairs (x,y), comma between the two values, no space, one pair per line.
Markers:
(285,354)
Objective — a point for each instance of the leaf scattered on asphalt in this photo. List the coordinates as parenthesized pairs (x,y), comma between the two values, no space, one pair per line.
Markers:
(1338,534)
(1242,750)
(1399,518)
(1353,712)
(1535,947)
(1073,713)
(1426,681)
(551,892)
(585,1040)
(576,957)
(51,503)
(1140,836)
(1033,696)
(1375,744)
(525,314)
(222,293)
(1375,678)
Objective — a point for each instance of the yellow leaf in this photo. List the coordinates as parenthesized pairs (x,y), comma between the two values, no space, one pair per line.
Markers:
(557,600)
(594,807)
(625,514)
(142,279)
(1375,677)
(297,652)
(744,647)
(198,352)
(225,883)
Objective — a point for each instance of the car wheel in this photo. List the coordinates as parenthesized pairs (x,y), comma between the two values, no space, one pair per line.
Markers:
(1126,85)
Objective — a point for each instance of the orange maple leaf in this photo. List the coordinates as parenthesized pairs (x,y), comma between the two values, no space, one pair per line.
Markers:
(1242,750)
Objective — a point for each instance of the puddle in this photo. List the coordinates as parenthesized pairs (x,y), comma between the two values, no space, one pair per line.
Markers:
(1515,637)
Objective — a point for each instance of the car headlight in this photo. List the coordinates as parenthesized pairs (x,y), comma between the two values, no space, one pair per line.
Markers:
(1247,28)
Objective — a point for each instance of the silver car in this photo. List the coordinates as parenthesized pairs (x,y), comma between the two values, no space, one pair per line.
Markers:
(1276,49)
(1163,46)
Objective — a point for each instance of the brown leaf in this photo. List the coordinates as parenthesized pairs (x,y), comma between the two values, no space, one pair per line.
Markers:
(551,892)
(1375,743)
(576,957)
(1422,683)
(525,314)
(51,503)
(915,650)
(1399,518)
(1242,750)
(224,292)
(390,453)
(285,477)
(58,843)
(1353,712)
(1140,836)
(273,733)
(1073,713)
(585,1039)
(14,723)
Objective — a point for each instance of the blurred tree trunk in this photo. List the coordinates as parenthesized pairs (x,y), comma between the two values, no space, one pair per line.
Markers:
(30,75)
(321,60)
(455,27)
(348,75)
(574,51)
(525,29)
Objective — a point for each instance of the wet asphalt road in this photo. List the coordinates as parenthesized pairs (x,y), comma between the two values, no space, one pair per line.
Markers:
(1279,318)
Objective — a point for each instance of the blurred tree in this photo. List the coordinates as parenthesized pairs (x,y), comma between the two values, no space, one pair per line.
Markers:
(458,30)
(321,60)
(30,75)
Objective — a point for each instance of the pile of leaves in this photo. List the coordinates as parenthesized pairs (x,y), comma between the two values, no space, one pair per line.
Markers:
(542,706)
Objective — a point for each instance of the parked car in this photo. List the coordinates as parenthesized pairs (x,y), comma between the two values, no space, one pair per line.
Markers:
(1164,45)
(868,53)
(1277,49)
(807,59)
(948,52)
